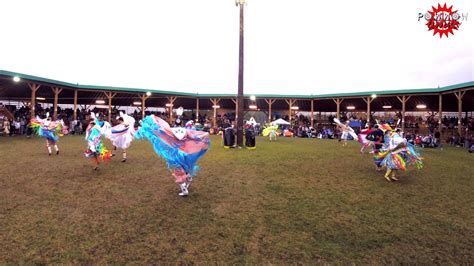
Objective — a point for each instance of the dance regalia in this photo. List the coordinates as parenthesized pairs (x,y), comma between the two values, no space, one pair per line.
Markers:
(122,135)
(376,137)
(95,147)
(398,154)
(362,138)
(180,147)
(271,132)
(50,130)
(346,130)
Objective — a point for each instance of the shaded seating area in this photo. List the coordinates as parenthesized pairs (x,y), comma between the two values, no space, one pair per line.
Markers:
(213,110)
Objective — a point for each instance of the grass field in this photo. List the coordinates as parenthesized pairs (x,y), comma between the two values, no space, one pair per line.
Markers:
(293,201)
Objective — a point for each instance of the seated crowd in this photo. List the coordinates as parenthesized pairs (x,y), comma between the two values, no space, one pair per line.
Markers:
(324,128)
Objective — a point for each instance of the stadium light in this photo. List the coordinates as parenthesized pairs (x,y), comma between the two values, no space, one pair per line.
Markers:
(239,2)
(386,106)
(295,108)
(148,93)
(216,106)
(253,98)
(253,106)
(100,101)
(40,98)
(373,96)
(169,105)
(421,106)
(350,107)
(137,103)
(16,79)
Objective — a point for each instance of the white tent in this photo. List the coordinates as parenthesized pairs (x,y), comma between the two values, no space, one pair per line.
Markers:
(280,121)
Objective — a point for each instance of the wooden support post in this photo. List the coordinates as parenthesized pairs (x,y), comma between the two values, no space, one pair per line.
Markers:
(197,110)
(270,103)
(312,113)
(215,103)
(34,87)
(236,102)
(440,113)
(214,120)
(143,106)
(56,92)
(109,96)
(368,100)
(459,95)
(338,102)
(404,99)
(171,102)
(290,103)
(143,98)
(74,116)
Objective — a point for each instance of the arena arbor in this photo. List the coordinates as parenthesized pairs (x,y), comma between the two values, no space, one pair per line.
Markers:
(292,201)
(31,90)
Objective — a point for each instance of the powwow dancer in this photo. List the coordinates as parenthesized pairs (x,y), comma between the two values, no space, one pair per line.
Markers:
(362,138)
(346,131)
(180,147)
(398,154)
(377,138)
(95,148)
(122,134)
(271,132)
(48,129)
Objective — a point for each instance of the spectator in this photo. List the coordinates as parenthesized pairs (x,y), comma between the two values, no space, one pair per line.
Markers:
(29,130)
(6,127)
(22,126)
(12,128)
(17,126)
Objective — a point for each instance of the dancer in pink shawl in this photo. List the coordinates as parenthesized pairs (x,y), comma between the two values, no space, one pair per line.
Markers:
(180,147)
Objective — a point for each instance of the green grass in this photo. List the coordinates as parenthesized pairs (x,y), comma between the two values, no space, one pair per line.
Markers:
(293,201)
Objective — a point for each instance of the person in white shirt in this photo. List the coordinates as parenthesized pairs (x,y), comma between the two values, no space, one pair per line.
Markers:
(17,126)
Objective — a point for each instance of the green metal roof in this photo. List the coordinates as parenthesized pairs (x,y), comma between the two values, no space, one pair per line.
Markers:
(174,93)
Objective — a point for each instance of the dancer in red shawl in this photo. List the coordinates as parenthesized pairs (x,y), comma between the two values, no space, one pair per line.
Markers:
(362,138)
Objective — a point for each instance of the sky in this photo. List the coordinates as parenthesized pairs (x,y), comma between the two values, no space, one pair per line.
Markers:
(291,47)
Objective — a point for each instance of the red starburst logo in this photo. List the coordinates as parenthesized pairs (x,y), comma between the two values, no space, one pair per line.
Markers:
(443,20)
